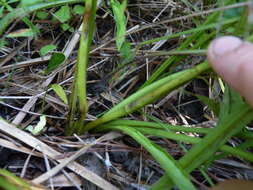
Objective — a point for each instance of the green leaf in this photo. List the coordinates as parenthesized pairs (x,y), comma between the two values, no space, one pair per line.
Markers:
(55,61)
(65,26)
(201,38)
(41,15)
(13,1)
(231,101)
(63,14)
(19,13)
(8,181)
(2,42)
(46,49)
(71,29)
(149,94)
(126,53)
(120,19)
(230,13)
(234,115)
(1,11)
(36,130)
(166,161)
(27,32)
(78,9)
(212,104)
(25,3)
(60,92)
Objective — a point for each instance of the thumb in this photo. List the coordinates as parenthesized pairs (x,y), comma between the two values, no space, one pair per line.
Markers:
(232,59)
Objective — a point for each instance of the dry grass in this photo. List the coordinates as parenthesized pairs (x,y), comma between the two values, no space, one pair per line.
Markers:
(26,94)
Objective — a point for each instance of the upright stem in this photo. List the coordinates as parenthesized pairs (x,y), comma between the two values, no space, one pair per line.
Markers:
(78,102)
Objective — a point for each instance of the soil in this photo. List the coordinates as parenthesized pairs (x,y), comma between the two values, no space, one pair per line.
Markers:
(120,161)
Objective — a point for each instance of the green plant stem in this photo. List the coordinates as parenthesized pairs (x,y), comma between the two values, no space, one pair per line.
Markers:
(148,95)
(79,87)
(172,52)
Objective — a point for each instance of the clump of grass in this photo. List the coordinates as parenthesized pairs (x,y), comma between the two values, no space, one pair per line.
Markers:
(233,113)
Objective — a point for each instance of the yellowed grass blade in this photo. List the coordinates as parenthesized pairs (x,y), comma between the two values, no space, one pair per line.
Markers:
(53,154)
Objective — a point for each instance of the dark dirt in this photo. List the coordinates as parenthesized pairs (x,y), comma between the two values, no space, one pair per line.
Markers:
(131,167)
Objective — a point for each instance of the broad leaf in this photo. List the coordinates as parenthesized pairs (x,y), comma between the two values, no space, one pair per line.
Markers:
(46,49)
(55,61)
(63,14)
(60,92)
(37,129)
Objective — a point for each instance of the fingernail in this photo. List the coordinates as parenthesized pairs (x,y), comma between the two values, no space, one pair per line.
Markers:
(225,45)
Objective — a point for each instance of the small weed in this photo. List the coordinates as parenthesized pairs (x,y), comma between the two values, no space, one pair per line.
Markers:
(151,67)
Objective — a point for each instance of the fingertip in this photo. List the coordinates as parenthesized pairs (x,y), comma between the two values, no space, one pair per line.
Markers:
(232,59)
(222,46)
(222,57)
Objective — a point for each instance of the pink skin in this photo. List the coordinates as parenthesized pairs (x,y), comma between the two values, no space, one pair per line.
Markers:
(232,59)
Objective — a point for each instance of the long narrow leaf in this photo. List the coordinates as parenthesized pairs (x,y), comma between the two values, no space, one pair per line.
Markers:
(200,35)
(178,137)
(149,94)
(171,167)
(120,19)
(237,114)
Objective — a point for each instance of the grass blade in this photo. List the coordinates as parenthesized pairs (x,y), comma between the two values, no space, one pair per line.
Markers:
(177,137)
(201,36)
(148,95)
(213,141)
(171,167)
(120,19)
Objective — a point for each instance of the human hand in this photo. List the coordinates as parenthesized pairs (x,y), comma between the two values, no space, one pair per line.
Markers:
(232,59)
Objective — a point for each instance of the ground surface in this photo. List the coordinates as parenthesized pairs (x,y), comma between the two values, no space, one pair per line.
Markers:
(121,161)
